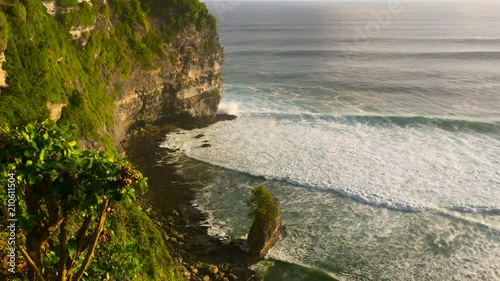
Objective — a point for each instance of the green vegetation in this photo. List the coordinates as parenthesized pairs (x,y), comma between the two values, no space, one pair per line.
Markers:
(66,194)
(4,32)
(216,94)
(136,250)
(63,198)
(45,65)
(82,15)
(210,46)
(182,13)
(262,206)
(63,195)
(67,3)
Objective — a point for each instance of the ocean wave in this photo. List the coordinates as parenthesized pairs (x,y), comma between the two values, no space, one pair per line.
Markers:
(312,40)
(356,195)
(354,49)
(279,268)
(476,209)
(447,124)
(401,163)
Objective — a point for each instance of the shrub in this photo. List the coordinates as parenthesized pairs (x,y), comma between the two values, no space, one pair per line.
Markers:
(63,196)
(262,205)
(67,3)
(4,31)
(136,250)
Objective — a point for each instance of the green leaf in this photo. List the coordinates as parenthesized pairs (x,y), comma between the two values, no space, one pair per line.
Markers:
(33,144)
(131,192)
(99,199)
(143,184)
(25,136)
(31,179)
(72,143)
(42,154)
(53,175)
(20,176)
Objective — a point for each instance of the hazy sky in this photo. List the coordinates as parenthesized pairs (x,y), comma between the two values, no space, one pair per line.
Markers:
(402,1)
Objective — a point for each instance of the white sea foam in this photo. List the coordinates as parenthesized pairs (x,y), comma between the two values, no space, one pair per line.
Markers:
(228,108)
(404,168)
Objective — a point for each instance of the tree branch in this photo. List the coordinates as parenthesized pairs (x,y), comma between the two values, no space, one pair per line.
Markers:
(31,263)
(80,242)
(94,239)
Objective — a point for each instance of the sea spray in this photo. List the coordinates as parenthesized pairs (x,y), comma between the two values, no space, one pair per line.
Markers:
(230,108)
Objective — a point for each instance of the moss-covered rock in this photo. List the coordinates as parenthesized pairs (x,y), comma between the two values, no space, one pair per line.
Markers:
(267,225)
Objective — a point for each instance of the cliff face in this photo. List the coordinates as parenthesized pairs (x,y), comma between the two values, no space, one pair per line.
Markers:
(189,84)
(107,64)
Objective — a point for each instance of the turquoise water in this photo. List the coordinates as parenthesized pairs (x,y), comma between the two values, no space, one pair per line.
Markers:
(382,146)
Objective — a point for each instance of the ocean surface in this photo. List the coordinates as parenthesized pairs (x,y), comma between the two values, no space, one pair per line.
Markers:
(376,126)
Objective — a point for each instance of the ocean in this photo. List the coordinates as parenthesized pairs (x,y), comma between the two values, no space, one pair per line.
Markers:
(377,126)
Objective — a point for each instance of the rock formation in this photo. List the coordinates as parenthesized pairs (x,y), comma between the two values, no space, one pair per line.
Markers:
(267,225)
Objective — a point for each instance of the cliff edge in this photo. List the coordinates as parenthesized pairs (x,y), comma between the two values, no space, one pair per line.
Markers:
(188,84)
(106,65)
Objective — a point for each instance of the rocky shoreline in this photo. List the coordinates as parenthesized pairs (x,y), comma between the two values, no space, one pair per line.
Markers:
(168,203)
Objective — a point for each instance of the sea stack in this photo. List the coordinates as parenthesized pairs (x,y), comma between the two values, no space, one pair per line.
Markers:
(267,225)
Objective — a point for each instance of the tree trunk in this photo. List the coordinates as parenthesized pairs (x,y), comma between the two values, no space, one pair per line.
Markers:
(94,239)
(63,249)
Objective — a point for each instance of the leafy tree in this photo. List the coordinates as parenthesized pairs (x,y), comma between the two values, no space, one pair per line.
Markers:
(63,196)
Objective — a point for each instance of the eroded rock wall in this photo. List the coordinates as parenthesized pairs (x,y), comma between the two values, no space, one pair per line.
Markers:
(189,83)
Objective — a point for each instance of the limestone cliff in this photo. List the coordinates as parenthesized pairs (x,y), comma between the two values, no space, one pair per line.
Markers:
(191,86)
(107,64)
